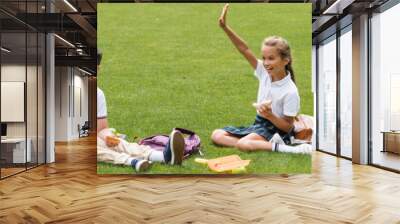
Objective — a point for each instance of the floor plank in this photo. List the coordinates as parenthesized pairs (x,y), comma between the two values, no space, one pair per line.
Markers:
(70,191)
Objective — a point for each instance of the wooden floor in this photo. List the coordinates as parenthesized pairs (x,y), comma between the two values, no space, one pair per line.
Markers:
(10,171)
(70,191)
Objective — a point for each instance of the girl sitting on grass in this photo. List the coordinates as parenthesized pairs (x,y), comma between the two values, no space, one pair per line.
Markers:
(273,126)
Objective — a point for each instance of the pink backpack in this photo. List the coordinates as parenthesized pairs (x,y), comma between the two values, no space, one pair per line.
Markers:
(158,142)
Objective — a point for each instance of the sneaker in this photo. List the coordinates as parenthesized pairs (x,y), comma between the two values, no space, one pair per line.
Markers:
(173,152)
(304,148)
(140,165)
(276,138)
(301,149)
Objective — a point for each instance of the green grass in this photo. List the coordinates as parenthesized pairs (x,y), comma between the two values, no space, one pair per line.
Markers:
(170,65)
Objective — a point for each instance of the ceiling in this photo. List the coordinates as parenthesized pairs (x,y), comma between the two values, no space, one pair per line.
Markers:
(329,15)
(76,22)
(72,20)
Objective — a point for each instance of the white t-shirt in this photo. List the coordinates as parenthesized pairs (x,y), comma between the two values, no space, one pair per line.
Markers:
(283,93)
(101,104)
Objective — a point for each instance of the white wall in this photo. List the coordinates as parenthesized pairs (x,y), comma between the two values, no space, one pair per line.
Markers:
(34,125)
(61,103)
(71,94)
(12,73)
(80,110)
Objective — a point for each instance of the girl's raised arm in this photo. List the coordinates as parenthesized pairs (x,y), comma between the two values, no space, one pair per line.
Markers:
(236,40)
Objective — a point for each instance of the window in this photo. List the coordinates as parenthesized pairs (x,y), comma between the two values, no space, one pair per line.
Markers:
(385,86)
(346,92)
(327,95)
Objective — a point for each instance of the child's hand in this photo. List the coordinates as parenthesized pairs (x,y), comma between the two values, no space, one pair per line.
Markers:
(265,103)
(222,18)
(112,141)
(265,111)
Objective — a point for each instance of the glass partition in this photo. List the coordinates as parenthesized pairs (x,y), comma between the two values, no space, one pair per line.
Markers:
(14,153)
(23,91)
(32,96)
(41,86)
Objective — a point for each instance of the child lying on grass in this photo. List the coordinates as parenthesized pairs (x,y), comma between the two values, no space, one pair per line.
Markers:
(113,149)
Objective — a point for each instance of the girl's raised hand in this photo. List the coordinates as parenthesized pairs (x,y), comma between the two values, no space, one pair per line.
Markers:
(222,18)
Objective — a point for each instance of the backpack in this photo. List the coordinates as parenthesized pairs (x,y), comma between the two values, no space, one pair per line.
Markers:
(303,127)
(158,142)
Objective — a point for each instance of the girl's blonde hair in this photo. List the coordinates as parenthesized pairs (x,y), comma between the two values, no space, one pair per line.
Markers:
(283,49)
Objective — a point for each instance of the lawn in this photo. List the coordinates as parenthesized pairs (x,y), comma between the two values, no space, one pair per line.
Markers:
(170,65)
